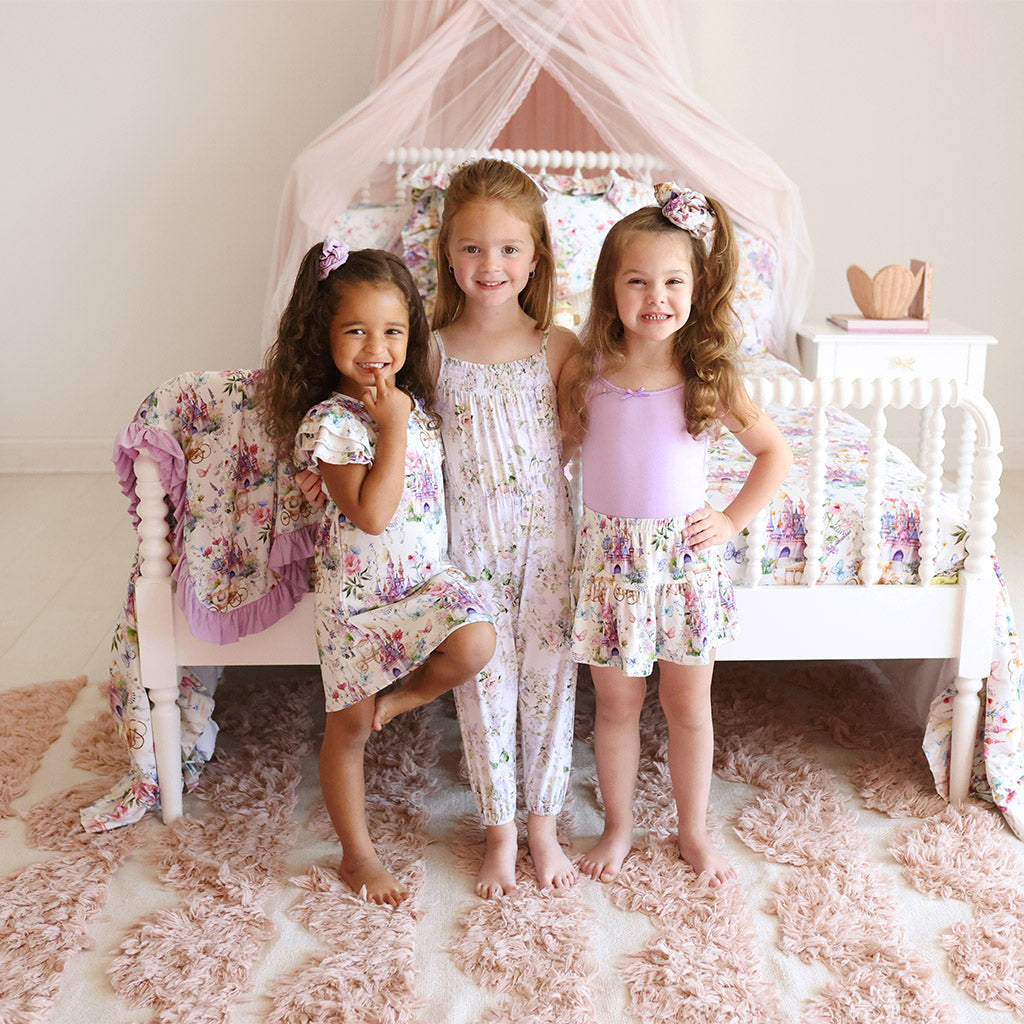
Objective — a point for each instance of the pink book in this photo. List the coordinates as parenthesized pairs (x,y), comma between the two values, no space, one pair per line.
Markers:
(863,325)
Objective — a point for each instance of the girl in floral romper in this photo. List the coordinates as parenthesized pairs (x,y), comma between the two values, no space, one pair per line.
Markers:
(655,378)
(497,364)
(354,344)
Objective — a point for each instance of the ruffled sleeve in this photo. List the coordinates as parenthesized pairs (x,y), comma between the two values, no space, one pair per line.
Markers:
(336,433)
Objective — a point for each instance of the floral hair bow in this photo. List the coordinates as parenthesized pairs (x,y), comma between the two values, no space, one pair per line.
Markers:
(332,255)
(688,210)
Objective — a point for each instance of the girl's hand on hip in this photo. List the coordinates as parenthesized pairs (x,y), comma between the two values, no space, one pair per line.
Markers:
(390,406)
(707,528)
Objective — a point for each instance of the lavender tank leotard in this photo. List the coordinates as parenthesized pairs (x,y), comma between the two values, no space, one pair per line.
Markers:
(639,460)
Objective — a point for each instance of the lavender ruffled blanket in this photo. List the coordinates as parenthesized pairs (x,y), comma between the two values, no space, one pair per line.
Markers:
(241,532)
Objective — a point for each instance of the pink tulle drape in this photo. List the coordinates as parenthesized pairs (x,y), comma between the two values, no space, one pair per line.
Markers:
(531,74)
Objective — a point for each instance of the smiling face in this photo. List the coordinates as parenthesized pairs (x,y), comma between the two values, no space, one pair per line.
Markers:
(369,332)
(654,285)
(491,253)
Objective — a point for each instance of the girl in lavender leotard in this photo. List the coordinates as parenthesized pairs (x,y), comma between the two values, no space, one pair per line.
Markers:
(654,380)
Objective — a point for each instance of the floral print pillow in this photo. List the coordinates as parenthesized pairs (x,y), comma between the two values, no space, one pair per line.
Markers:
(372,227)
(579,211)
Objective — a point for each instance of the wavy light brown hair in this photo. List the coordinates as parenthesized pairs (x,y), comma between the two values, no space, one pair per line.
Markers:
(497,181)
(704,349)
(299,370)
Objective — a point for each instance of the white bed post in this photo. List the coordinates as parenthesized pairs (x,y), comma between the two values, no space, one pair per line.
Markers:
(154,614)
(814,521)
(974,661)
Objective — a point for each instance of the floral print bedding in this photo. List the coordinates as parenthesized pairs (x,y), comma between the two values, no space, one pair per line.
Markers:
(998,771)
(579,210)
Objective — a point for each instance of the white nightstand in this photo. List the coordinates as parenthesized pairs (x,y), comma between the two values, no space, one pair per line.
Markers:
(945,350)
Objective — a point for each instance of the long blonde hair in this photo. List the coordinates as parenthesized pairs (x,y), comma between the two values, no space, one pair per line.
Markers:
(704,348)
(502,182)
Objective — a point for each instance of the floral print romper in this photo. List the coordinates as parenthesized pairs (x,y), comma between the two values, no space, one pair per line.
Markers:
(383,602)
(511,531)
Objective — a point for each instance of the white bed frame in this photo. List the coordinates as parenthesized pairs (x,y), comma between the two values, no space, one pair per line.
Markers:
(800,622)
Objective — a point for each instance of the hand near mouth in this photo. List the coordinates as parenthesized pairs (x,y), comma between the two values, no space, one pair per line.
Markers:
(388,405)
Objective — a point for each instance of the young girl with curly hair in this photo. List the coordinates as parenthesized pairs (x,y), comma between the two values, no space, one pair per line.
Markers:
(347,386)
(656,378)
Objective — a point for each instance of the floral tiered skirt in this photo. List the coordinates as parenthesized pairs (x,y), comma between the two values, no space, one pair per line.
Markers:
(643,595)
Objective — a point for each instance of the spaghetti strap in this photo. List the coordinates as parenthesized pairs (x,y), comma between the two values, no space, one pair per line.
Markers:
(544,341)
(440,344)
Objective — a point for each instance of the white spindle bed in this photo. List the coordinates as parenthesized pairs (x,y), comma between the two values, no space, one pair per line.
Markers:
(807,620)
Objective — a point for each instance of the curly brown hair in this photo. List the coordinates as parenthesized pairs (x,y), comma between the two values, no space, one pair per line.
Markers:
(299,371)
(489,179)
(704,349)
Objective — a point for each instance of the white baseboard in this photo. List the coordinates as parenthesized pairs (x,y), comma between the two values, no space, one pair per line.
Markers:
(56,455)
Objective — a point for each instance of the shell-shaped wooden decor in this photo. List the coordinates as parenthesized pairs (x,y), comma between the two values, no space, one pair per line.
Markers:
(887,295)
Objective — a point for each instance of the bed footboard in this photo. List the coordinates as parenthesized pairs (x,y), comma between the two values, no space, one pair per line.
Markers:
(876,620)
(803,621)
(166,643)
(154,611)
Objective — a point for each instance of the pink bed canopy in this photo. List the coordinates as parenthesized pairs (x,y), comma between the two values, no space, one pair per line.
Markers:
(537,74)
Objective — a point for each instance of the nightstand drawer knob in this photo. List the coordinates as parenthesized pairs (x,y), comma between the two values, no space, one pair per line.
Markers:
(904,362)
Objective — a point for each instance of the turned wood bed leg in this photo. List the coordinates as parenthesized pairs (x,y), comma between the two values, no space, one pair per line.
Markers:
(154,612)
(966,716)
(979,584)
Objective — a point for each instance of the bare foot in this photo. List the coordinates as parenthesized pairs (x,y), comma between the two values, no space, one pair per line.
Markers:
(553,867)
(370,880)
(604,861)
(394,703)
(703,856)
(498,872)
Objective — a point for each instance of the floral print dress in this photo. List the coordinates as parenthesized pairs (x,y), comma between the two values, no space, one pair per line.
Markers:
(383,602)
(511,531)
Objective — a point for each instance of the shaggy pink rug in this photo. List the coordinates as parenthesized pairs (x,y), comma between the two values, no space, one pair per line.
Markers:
(861,896)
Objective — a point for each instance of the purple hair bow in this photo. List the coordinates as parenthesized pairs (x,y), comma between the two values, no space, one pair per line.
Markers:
(688,210)
(332,255)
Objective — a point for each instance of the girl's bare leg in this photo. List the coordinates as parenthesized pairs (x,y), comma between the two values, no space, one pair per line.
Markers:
(497,875)
(455,660)
(686,699)
(343,787)
(553,867)
(620,699)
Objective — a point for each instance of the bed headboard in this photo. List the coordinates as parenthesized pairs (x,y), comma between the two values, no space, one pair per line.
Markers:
(587,193)
(641,166)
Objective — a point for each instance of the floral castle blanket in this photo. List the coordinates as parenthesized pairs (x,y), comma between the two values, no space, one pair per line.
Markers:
(242,533)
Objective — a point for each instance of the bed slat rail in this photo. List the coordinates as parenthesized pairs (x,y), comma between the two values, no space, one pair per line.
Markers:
(932,397)
(638,165)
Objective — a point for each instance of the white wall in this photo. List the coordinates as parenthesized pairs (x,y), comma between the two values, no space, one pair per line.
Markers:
(147,144)
(902,124)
